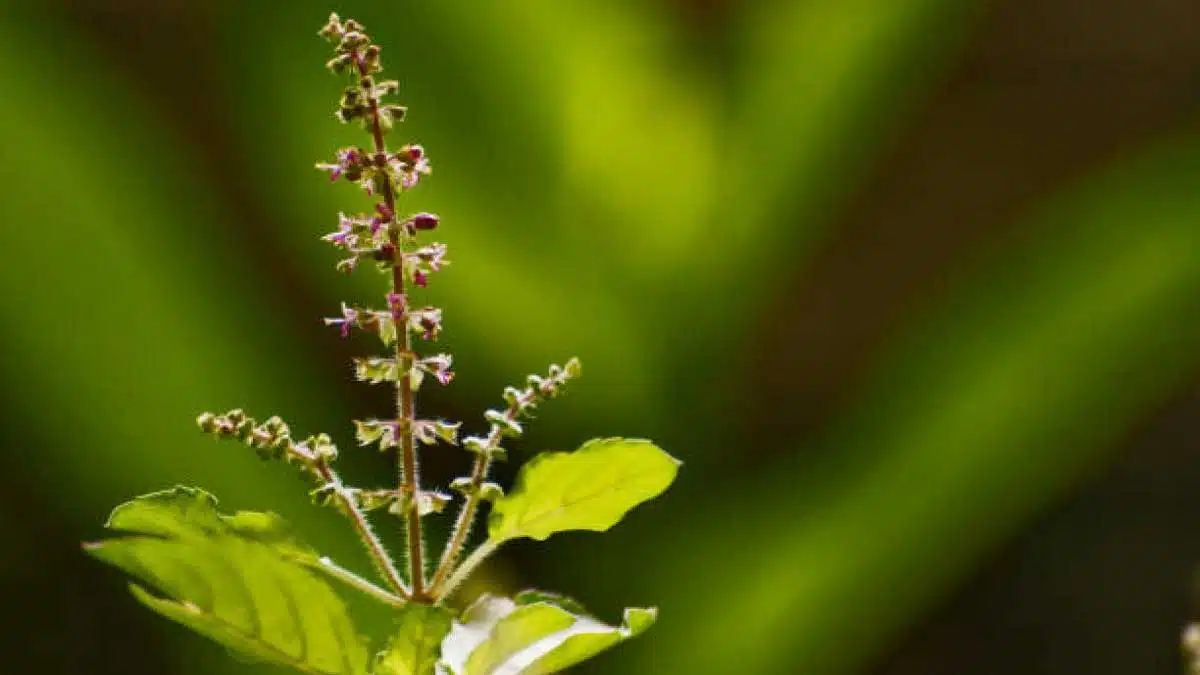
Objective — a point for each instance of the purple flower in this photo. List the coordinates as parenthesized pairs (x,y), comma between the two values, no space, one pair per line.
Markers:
(428,320)
(409,163)
(343,237)
(349,318)
(438,365)
(397,303)
(348,156)
(349,162)
(421,278)
(385,215)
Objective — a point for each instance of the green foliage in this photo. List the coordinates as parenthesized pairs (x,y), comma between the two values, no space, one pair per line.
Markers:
(416,645)
(533,635)
(240,580)
(589,489)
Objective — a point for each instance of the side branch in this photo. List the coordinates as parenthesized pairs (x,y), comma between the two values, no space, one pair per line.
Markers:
(272,439)
(466,517)
(348,505)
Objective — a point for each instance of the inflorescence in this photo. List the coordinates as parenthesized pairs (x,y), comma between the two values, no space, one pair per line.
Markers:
(393,244)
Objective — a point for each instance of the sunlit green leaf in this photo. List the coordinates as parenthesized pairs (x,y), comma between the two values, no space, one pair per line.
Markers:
(589,489)
(238,579)
(416,644)
(499,636)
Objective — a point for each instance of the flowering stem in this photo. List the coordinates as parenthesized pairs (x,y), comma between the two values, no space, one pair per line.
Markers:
(349,505)
(462,526)
(405,404)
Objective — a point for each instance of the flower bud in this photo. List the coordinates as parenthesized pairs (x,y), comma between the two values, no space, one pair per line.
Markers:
(371,59)
(207,422)
(423,222)
(333,29)
(385,253)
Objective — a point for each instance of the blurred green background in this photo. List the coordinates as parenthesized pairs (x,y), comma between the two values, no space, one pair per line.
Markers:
(911,286)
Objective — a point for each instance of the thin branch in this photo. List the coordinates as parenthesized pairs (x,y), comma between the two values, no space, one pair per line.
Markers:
(466,517)
(357,582)
(349,506)
(467,568)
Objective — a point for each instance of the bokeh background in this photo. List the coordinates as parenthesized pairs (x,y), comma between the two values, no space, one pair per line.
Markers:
(912,287)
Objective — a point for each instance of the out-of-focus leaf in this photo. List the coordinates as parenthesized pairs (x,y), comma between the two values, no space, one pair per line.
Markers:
(235,579)
(416,644)
(818,86)
(500,637)
(152,298)
(589,489)
(987,411)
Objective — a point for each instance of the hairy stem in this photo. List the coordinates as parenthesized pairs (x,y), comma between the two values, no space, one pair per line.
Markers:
(408,480)
(355,581)
(464,571)
(466,517)
(349,505)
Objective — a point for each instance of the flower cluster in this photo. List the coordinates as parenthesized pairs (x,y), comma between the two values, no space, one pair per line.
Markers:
(392,242)
(378,236)
(272,439)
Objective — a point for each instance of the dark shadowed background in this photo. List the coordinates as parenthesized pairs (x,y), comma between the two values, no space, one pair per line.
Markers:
(911,286)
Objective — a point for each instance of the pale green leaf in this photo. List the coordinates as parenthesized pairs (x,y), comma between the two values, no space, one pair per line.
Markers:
(472,629)
(524,627)
(502,637)
(585,639)
(589,489)
(240,580)
(416,645)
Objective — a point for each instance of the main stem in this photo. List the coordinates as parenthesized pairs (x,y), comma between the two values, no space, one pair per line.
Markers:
(405,403)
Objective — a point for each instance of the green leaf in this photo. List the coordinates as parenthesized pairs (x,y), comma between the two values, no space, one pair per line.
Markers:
(522,628)
(589,489)
(499,636)
(416,646)
(586,638)
(239,580)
